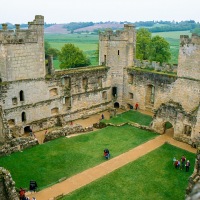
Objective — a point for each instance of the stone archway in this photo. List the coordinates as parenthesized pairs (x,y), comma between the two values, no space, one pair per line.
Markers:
(27,129)
(168,129)
(116,105)
(181,121)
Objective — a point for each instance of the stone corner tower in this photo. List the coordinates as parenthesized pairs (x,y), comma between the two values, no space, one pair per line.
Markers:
(117,51)
(22,51)
(189,57)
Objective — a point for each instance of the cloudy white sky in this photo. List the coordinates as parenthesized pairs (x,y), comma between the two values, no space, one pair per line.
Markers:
(64,11)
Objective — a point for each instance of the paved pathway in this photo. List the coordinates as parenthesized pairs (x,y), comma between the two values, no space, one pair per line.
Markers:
(105,168)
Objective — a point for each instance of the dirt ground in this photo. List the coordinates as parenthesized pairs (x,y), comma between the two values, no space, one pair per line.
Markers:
(84,122)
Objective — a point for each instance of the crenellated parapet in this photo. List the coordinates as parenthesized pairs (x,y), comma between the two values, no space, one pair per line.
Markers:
(186,40)
(21,36)
(118,35)
(153,65)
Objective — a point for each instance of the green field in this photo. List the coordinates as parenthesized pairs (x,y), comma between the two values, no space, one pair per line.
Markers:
(152,176)
(65,157)
(89,43)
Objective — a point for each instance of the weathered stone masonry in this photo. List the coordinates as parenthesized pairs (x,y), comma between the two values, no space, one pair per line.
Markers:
(36,96)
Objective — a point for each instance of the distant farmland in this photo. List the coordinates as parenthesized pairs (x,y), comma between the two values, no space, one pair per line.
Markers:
(89,43)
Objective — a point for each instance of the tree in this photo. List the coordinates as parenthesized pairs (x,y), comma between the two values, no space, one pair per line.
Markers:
(72,57)
(159,50)
(46,47)
(50,51)
(152,48)
(54,52)
(142,45)
(96,53)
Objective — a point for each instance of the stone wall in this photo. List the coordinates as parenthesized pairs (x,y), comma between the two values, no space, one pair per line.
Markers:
(65,131)
(189,54)
(7,186)
(31,98)
(22,52)
(146,64)
(41,97)
(17,144)
(193,189)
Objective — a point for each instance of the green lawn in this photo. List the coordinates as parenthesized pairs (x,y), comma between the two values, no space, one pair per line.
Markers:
(130,116)
(150,177)
(64,157)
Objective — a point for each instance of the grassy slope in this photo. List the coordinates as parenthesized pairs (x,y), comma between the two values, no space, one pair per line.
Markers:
(64,157)
(150,177)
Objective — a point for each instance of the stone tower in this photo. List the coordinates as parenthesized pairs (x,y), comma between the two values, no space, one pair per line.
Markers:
(189,57)
(117,51)
(22,52)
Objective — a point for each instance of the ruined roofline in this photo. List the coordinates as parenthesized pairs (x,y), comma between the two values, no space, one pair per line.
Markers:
(118,34)
(79,70)
(18,35)
(194,39)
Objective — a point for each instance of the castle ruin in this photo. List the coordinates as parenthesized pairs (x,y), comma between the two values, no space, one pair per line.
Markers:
(38,97)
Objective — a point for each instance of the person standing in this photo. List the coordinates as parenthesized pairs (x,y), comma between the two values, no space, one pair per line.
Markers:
(183,159)
(136,106)
(22,194)
(174,160)
(187,165)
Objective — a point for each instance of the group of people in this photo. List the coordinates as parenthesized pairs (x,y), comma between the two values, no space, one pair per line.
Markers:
(182,163)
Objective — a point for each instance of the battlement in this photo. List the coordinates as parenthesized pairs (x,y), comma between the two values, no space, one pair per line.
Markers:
(20,36)
(186,40)
(146,64)
(118,35)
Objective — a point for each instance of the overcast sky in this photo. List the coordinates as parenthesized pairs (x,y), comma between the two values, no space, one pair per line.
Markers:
(64,11)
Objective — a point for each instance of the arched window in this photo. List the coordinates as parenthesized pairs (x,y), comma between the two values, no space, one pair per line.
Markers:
(21,95)
(23,116)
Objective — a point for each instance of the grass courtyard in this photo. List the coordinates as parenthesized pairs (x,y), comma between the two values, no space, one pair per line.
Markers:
(64,157)
(152,176)
(130,116)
